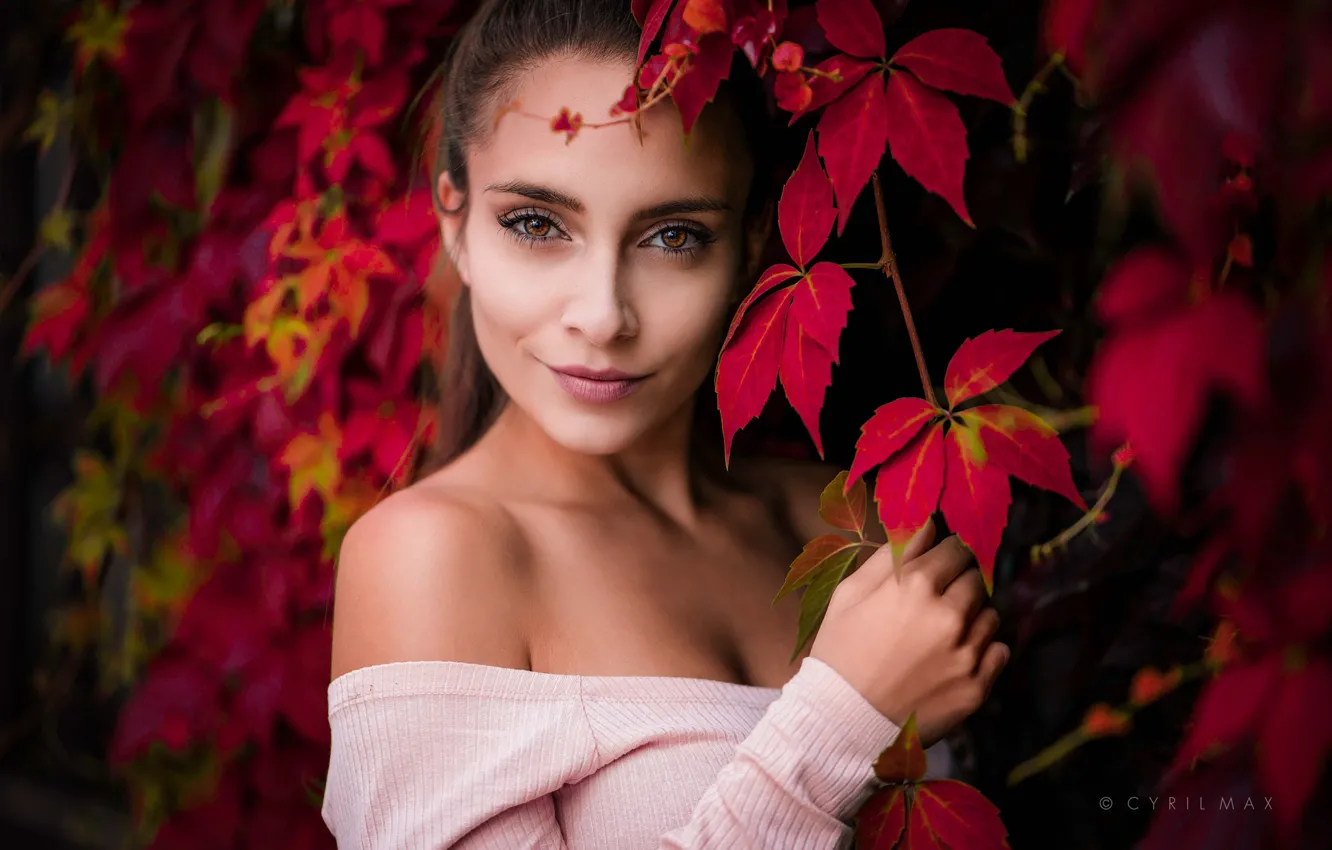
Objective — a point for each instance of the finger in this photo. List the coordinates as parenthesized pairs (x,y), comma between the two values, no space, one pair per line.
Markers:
(992,663)
(944,562)
(982,631)
(967,594)
(920,542)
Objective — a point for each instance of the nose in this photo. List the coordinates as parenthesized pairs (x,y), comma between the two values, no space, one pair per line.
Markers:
(599,306)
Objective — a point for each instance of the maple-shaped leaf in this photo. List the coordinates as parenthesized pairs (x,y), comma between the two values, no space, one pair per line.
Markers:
(312,460)
(837,74)
(927,138)
(956,60)
(853,134)
(792,333)
(843,506)
(958,461)
(852,26)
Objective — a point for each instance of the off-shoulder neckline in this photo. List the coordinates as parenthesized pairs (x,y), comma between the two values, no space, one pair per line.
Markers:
(418,678)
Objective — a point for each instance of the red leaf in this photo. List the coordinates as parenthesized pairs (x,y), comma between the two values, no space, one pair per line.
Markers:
(822,302)
(773,277)
(927,138)
(882,821)
(1065,27)
(655,17)
(904,760)
(843,506)
(852,26)
(805,212)
(806,372)
(751,32)
(907,486)
(983,363)
(890,428)
(747,370)
(959,815)
(699,83)
(976,497)
(1151,385)
(853,133)
(1295,741)
(824,90)
(1141,285)
(1026,447)
(957,60)
(919,836)
(1229,707)
(706,16)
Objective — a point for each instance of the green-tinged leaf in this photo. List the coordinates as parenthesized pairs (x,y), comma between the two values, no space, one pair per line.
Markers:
(814,603)
(811,558)
(842,509)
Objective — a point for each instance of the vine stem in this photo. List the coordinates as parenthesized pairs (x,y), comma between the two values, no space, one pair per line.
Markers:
(888,262)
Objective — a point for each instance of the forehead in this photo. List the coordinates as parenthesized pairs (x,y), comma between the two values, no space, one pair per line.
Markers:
(609,165)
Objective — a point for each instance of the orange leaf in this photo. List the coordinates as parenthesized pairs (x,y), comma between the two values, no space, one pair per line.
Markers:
(312,460)
(843,506)
(815,554)
(904,760)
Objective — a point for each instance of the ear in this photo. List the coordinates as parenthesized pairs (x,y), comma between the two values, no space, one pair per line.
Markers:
(451,212)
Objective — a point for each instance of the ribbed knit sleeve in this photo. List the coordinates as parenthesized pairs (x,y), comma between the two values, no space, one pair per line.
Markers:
(444,755)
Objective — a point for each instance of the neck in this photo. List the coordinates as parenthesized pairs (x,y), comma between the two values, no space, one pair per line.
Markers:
(665,470)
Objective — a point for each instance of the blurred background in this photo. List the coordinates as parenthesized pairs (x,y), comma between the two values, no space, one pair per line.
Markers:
(222,316)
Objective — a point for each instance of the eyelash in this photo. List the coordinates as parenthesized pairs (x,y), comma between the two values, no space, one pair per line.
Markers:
(510,221)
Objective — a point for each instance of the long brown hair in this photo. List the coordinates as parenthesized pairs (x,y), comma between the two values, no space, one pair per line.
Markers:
(500,39)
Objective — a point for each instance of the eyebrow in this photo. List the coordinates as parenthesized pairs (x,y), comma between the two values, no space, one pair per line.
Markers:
(548,195)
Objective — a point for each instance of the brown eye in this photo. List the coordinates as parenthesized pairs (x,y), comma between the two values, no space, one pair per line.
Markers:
(536,227)
(674,238)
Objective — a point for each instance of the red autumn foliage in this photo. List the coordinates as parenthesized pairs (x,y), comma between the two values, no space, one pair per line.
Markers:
(267,254)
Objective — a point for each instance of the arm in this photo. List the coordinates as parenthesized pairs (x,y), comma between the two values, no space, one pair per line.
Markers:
(431,763)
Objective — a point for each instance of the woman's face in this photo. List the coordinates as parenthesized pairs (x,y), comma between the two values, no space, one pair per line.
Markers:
(602,253)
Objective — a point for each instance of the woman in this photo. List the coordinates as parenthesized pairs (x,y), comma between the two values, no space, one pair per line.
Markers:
(563,636)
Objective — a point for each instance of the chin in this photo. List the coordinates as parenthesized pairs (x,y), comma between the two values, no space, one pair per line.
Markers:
(593,433)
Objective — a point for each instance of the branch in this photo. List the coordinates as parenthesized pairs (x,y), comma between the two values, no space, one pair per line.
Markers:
(888,262)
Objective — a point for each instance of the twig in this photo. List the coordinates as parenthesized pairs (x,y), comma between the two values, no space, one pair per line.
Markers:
(888,262)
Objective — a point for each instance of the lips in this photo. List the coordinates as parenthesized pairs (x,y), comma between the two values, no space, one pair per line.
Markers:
(597,386)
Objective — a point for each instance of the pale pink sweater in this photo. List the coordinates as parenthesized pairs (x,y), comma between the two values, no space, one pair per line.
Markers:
(445,754)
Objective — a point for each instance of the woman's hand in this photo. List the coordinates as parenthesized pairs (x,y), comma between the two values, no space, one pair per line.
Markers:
(916,638)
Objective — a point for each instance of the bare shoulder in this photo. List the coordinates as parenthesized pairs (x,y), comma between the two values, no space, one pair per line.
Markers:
(801,484)
(431,574)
